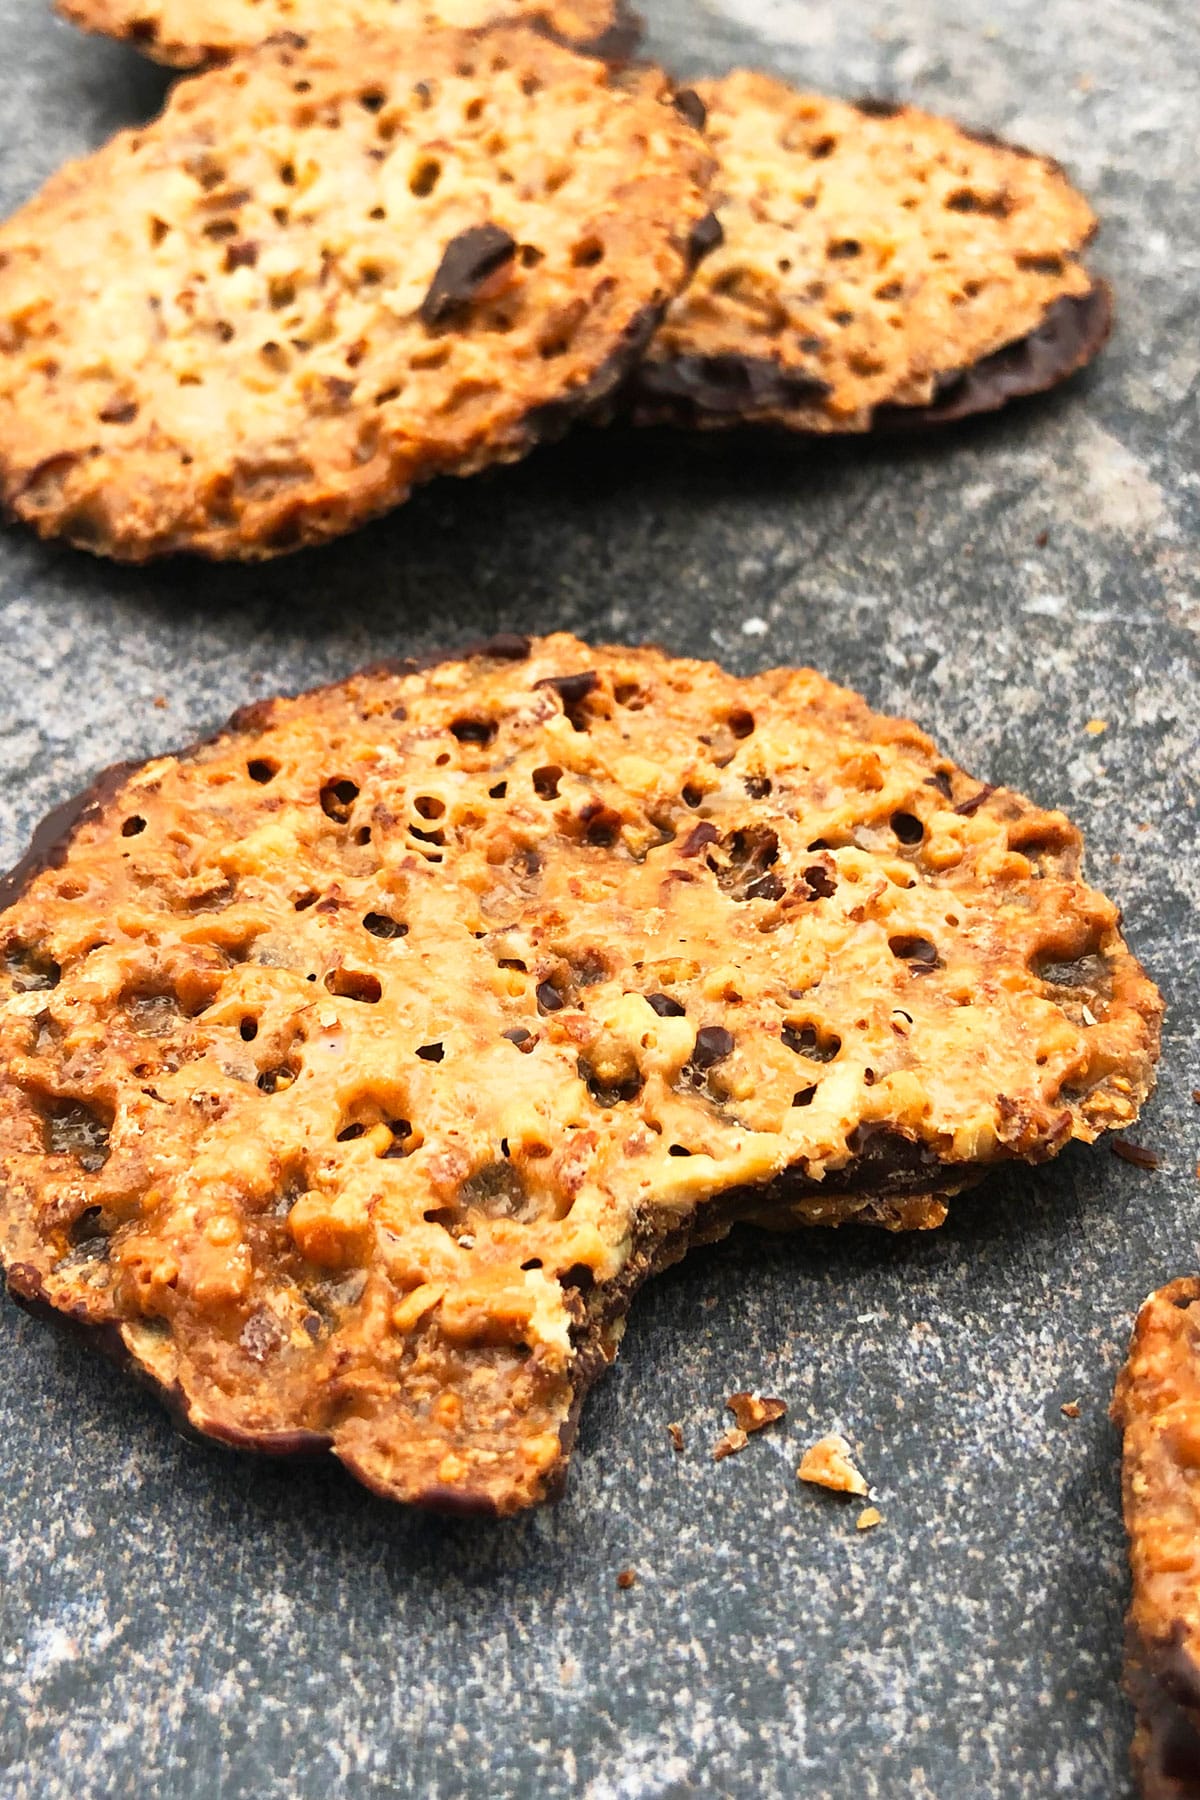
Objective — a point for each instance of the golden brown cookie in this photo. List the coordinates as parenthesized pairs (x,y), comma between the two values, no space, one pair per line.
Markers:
(1157,1405)
(187,33)
(880,267)
(357,1065)
(328,272)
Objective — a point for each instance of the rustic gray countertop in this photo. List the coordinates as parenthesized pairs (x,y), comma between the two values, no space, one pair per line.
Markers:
(178,1623)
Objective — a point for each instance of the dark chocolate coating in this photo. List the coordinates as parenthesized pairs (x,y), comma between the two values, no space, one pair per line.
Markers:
(469,260)
(727,390)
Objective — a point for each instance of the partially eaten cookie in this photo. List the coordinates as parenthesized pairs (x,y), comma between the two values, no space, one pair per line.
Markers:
(880,267)
(359,1063)
(1157,1406)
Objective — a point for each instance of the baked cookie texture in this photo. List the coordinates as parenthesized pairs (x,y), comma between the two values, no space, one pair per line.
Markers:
(881,266)
(327,272)
(358,1064)
(1157,1406)
(187,33)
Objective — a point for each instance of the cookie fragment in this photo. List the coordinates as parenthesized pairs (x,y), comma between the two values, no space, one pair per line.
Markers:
(327,272)
(829,1463)
(358,1064)
(187,33)
(751,1412)
(880,267)
(1157,1406)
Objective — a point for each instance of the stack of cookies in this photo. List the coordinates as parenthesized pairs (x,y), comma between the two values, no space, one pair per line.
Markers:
(393,243)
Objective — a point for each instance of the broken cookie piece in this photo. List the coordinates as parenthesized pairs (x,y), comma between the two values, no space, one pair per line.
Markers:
(1157,1406)
(330,271)
(359,1063)
(879,267)
(186,33)
(751,1412)
(829,1463)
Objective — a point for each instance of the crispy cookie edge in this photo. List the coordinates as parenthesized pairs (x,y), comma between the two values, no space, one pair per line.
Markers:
(714,392)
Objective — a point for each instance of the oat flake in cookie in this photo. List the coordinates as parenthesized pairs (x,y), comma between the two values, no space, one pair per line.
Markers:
(189,32)
(357,1065)
(880,267)
(329,272)
(1157,1406)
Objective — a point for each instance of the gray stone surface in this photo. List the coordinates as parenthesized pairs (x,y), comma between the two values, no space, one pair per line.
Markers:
(175,1622)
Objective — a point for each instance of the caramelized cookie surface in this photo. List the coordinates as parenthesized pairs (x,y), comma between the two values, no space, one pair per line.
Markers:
(359,1063)
(328,272)
(187,33)
(880,266)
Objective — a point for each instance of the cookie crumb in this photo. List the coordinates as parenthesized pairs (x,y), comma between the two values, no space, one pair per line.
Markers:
(829,1463)
(1196,1095)
(868,1518)
(733,1441)
(160,700)
(1138,1154)
(1070,1409)
(627,1578)
(675,1433)
(1096,727)
(752,1411)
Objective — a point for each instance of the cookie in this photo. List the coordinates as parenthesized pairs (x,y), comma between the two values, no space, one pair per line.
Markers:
(327,272)
(187,33)
(358,1064)
(880,267)
(1157,1406)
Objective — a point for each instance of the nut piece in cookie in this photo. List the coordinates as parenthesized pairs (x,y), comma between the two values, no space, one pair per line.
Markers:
(187,33)
(879,266)
(1157,1406)
(327,272)
(358,1064)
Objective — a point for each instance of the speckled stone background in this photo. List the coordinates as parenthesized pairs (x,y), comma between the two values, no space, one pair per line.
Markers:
(176,1623)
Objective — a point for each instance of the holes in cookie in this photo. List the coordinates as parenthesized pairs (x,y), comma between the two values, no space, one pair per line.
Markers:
(429,806)
(907,827)
(1041,265)
(843,249)
(262,769)
(382,925)
(606,1091)
(587,253)
(355,984)
(812,1041)
(31,971)
(433,1053)
(546,780)
(804,1096)
(337,797)
(281,293)
(692,795)
(678,1150)
(372,99)
(424,176)
(601,825)
(278,1079)
(741,723)
(743,861)
(248,1029)
(78,1128)
(474,731)
(918,952)
(88,1236)
(757,786)
(133,826)
(971,200)
(549,998)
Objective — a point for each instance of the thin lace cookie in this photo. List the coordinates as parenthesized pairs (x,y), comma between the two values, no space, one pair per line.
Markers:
(1157,1406)
(188,33)
(358,1064)
(329,271)
(880,267)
